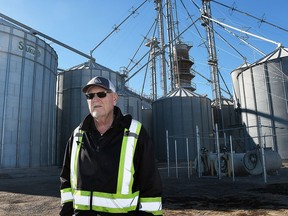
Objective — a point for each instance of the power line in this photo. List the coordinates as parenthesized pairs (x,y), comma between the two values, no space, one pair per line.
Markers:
(259,37)
(254,17)
(116,28)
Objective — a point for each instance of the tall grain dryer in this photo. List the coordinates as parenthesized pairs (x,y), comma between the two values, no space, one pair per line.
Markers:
(261,92)
(28,68)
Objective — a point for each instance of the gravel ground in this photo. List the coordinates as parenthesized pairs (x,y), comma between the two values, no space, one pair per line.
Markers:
(36,192)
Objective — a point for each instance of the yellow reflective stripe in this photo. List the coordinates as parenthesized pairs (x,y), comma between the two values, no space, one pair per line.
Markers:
(72,159)
(78,135)
(105,202)
(160,212)
(124,200)
(126,167)
(153,205)
(66,195)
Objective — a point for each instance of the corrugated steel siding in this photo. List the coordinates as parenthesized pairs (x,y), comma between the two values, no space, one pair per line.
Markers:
(263,94)
(27,105)
(180,115)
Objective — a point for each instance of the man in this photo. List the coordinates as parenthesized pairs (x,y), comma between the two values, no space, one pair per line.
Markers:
(109,166)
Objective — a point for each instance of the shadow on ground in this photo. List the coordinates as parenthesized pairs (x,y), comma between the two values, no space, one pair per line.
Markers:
(245,193)
(42,181)
(194,194)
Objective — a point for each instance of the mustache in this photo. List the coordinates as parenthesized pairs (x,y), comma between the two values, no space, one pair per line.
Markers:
(96,106)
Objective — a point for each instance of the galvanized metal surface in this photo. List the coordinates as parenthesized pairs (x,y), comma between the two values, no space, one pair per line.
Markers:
(261,90)
(27,104)
(180,115)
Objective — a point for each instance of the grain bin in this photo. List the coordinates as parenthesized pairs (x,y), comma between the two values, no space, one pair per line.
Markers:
(179,113)
(72,104)
(28,68)
(261,90)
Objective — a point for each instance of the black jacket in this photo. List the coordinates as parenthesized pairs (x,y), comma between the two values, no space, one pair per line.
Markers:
(99,161)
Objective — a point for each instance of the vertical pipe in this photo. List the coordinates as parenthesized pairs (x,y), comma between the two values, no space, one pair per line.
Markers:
(264,164)
(225,139)
(152,44)
(162,45)
(187,151)
(232,159)
(176,159)
(169,22)
(198,152)
(218,151)
(213,61)
(262,151)
(168,158)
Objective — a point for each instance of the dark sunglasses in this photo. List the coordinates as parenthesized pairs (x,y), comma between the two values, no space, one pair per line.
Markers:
(102,94)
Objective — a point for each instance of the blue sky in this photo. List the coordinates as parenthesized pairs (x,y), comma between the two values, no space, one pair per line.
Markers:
(84,24)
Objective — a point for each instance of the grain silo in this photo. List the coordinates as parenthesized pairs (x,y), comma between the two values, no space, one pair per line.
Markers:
(261,90)
(72,104)
(179,113)
(28,71)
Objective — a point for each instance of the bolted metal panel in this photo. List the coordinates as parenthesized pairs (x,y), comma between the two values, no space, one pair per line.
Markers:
(27,106)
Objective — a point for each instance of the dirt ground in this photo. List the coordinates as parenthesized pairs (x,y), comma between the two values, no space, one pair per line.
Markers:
(36,192)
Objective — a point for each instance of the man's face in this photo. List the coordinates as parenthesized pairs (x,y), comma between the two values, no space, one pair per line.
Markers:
(101,107)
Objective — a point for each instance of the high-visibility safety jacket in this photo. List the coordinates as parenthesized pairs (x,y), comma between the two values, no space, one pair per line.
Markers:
(127,188)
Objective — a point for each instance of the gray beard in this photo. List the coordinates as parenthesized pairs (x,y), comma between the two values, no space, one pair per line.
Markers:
(94,114)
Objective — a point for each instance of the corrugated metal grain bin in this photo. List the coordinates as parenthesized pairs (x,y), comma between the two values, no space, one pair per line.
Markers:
(179,113)
(72,104)
(227,116)
(261,90)
(28,68)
